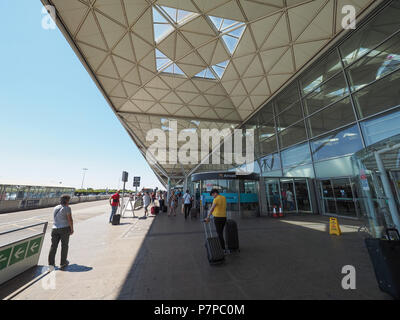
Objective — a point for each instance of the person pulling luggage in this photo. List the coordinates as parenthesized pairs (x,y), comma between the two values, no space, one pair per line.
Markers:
(218,210)
(114,203)
(187,203)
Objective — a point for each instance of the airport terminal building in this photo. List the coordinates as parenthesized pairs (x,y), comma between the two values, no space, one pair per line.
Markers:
(323,99)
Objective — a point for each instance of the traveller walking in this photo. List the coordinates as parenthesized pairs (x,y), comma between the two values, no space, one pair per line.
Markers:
(173,203)
(63,227)
(218,210)
(161,201)
(187,203)
(114,203)
(289,198)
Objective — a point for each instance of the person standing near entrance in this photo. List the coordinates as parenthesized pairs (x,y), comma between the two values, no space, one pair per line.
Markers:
(146,203)
(218,210)
(173,204)
(114,203)
(63,228)
(161,200)
(289,198)
(187,203)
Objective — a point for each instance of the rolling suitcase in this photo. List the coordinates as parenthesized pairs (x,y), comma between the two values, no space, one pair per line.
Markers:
(164,209)
(156,210)
(215,253)
(153,210)
(385,257)
(231,235)
(194,212)
(116,219)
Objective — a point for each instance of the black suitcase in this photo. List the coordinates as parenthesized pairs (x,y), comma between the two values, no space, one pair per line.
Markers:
(194,212)
(385,257)
(231,235)
(157,210)
(115,219)
(215,253)
(164,209)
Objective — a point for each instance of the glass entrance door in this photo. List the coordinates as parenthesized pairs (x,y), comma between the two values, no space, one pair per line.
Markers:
(288,196)
(293,195)
(272,192)
(344,197)
(248,198)
(338,197)
(302,192)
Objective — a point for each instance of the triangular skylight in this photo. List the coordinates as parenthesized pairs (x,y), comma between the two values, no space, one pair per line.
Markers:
(177,16)
(206,73)
(231,31)
(164,18)
(165,64)
(173,68)
(161,26)
(219,68)
(161,60)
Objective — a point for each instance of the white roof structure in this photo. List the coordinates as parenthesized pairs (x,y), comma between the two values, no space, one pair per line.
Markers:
(204,63)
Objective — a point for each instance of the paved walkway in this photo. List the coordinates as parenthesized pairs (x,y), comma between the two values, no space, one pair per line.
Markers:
(164,258)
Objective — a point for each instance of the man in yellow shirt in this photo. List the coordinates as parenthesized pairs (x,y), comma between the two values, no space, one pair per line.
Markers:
(218,210)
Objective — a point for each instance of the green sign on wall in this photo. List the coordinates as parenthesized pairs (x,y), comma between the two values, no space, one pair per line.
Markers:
(4,257)
(18,253)
(34,246)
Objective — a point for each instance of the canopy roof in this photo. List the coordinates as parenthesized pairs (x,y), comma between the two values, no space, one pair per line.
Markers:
(204,63)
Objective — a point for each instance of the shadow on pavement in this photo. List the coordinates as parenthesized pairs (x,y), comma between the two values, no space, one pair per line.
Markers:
(77,268)
(290,258)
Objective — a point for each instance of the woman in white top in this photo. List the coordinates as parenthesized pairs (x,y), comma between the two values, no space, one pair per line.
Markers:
(173,203)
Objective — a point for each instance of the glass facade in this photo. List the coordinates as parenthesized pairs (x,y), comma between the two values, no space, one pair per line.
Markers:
(346,100)
(329,108)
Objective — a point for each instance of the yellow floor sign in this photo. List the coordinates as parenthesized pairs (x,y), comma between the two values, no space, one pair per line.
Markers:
(334,227)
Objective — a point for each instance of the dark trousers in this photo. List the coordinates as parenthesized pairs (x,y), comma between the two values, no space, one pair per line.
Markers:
(219,226)
(187,206)
(113,212)
(57,235)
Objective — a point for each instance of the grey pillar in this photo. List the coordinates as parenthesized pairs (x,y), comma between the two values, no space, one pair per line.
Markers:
(168,189)
(262,196)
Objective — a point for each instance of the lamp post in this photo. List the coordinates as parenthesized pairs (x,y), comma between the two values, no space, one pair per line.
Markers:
(83,179)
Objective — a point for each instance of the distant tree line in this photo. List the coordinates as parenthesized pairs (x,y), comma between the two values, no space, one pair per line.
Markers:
(90,191)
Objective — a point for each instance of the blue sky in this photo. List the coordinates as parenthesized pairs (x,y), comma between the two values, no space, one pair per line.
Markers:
(53,119)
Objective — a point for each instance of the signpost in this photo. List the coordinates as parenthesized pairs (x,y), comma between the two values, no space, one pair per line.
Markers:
(125,180)
(136,182)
